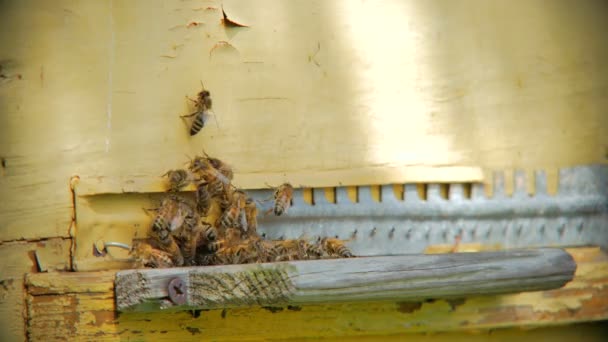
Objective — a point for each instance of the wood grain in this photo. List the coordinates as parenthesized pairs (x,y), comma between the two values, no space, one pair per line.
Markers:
(19,258)
(85,309)
(408,277)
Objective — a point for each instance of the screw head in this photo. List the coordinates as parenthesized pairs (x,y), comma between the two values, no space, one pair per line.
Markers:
(177,291)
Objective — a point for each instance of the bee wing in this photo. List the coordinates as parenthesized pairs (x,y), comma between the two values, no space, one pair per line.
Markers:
(243,219)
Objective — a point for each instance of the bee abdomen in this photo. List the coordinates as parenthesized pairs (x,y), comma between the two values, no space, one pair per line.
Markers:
(198,123)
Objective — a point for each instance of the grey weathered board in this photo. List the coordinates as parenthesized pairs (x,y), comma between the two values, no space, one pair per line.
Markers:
(405,277)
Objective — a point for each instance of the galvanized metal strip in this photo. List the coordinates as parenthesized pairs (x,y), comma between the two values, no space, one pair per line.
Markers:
(577,215)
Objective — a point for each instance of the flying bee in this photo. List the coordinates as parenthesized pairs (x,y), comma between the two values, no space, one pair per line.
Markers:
(146,255)
(336,247)
(203,198)
(178,179)
(203,105)
(282,198)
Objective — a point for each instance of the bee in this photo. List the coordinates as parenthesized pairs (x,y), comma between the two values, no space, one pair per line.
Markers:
(146,255)
(217,182)
(282,198)
(336,247)
(294,249)
(172,214)
(208,234)
(203,198)
(251,216)
(178,179)
(230,216)
(221,166)
(203,105)
(314,250)
(188,236)
(215,246)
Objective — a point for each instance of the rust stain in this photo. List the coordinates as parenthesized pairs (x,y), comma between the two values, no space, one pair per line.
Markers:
(222,45)
(194,24)
(103,316)
(408,307)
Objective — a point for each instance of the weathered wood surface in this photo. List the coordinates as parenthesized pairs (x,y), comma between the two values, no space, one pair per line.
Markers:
(17,259)
(408,277)
(81,305)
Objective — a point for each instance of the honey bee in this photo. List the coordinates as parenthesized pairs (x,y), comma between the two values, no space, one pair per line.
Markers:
(188,236)
(203,105)
(336,247)
(146,255)
(215,246)
(203,198)
(282,198)
(217,183)
(172,214)
(285,250)
(314,250)
(221,166)
(178,179)
(230,216)
(208,234)
(251,216)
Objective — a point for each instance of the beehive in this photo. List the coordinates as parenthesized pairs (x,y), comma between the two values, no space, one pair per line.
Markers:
(323,94)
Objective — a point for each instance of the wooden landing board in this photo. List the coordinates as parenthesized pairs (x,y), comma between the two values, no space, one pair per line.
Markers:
(82,305)
(401,278)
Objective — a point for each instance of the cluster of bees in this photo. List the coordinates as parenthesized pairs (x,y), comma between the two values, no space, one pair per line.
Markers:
(219,226)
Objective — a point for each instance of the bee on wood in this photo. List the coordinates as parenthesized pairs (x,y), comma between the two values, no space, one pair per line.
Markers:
(287,250)
(203,198)
(146,255)
(336,247)
(314,250)
(283,196)
(203,105)
(178,179)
